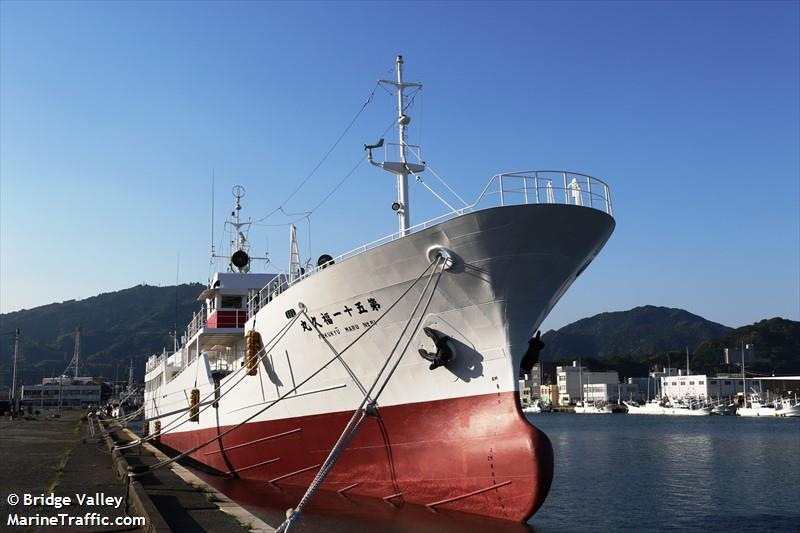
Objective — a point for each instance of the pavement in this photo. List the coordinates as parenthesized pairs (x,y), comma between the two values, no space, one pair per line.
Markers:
(41,455)
(61,455)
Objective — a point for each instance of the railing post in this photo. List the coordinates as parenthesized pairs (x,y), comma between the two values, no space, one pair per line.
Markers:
(536,185)
(566,192)
(608,201)
(502,198)
(525,185)
(589,188)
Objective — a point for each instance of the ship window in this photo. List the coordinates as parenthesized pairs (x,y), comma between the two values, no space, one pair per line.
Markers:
(691,383)
(231,302)
(727,382)
(713,381)
(701,382)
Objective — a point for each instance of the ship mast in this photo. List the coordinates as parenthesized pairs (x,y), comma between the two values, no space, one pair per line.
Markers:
(239,258)
(403,168)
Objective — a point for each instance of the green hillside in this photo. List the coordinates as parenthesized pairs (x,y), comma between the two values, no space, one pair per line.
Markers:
(639,331)
(115,328)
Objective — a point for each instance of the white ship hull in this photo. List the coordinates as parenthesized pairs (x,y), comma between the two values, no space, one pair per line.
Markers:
(441,434)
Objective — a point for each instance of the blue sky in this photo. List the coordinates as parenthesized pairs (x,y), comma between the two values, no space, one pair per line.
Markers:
(113,117)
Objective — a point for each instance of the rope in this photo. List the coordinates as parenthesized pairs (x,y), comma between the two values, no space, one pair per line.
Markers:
(290,391)
(168,428)
(355,422)
(119,421)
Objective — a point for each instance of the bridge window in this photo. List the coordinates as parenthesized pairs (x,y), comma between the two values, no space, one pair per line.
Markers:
(231,302)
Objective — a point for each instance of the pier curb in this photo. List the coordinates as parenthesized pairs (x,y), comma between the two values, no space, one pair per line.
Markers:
(225,504)
(141,502)
(136,496)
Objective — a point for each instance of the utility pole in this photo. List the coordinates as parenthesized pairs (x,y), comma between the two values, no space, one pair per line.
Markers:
(14,399)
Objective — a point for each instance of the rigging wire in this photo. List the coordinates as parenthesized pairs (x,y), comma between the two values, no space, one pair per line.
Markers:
(218,390)
(325,157)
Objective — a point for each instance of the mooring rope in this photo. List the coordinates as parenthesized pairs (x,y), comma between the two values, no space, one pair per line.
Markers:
(268,346)
(140,471)
(356,421)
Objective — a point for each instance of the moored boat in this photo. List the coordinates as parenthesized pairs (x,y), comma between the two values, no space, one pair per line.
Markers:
(756,407)
(653,407)
(418,336)
(592,407)
(787,407)
(686,408)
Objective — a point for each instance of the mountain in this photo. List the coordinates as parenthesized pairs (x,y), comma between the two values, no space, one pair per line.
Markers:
(639,331)
(775,342)
(115,327)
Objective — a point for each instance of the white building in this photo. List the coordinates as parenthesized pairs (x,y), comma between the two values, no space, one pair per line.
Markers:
(700,386)
(525,396)
(64,391)
(549,394)
(682,386)
(571,378)
(610,392)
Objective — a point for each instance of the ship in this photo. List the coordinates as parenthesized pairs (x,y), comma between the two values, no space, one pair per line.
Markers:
(391,371)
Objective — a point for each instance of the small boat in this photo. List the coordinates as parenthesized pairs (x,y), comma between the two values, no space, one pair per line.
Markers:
(787,407)
(590,407)
(653,407)
(537,406)
(756,408)
(686,408)
(724,409)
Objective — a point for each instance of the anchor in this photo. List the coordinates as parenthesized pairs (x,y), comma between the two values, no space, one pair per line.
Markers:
(445,352)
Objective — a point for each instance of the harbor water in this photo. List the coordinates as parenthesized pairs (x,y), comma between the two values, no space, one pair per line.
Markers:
(695,473)
(613,473)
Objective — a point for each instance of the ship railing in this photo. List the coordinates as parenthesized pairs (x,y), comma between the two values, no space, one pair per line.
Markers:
(259,298)
(506,189)
(197,323)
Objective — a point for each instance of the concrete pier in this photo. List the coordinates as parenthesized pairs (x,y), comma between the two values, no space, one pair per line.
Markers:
(53,471)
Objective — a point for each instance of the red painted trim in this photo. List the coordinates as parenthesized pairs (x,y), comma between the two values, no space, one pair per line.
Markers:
(227,319)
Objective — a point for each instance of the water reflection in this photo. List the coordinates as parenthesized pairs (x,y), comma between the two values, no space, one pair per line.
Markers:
(613,472)
(660,473)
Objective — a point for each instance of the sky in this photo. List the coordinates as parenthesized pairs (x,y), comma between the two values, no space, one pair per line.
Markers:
(114,117)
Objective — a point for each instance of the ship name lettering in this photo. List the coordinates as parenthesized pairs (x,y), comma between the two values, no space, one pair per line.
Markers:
(351,328)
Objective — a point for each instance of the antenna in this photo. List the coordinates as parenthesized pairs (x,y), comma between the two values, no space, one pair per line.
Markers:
(212,214)
(177,277)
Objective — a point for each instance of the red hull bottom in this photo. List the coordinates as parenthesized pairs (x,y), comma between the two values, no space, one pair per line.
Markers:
(476,454)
